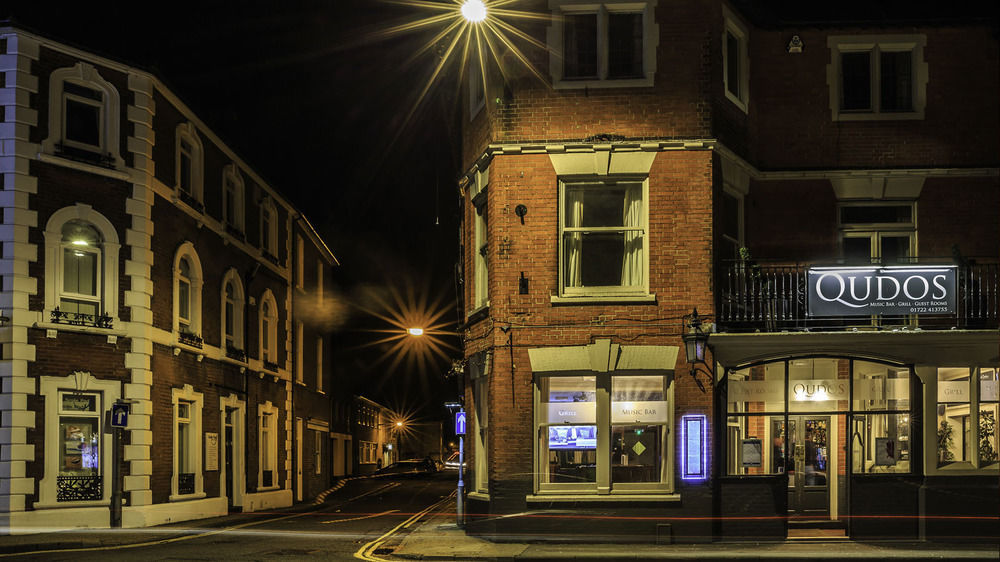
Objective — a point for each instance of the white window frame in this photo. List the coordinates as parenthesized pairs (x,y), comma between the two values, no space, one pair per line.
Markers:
(197,402)
(320,371)
(300,265)
(107,271)
(609,292)
(268,326)
(188,132)
(299,352)
(270,433)
(319,282)
(269,227)
(234,187)
(232,276)
(741,219)
(650,41)
(876,44)
(85,75)
(975,405)
(875,231)
(318,451)
(480,242)
(477,78)
(194,300)
(734,26)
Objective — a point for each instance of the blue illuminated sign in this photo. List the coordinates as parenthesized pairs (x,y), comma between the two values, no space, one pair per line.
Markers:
(460,423)
(693,438)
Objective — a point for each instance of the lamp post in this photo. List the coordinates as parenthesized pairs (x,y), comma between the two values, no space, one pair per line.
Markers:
(695,343)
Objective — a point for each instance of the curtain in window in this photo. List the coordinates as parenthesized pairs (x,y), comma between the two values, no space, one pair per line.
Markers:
(574,240)
(632,255)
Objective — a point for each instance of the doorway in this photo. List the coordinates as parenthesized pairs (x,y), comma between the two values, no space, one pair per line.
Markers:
(811,465)
(227,446)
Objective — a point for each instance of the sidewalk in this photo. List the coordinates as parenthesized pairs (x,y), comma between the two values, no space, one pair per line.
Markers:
(439,538)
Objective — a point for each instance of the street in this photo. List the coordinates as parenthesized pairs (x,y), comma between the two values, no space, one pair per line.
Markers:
(360,517)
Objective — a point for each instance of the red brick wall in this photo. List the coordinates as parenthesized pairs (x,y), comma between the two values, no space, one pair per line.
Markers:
(960,212)
(791,220)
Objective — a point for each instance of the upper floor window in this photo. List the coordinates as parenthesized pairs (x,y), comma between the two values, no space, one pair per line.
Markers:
(320,371)
(81,248)
(732,224)
(877,77)
(878,232)
(187,477)
(83,116)
(735,60)
(268,227)
(268,328)
(603,242)
(232,198)
(190,165)
(267,476)
(232,313)
(300,262)
(480,245)
(187,294)
(604,44)
(477,80)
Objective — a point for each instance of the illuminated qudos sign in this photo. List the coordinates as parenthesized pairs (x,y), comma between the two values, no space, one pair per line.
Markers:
(867,291)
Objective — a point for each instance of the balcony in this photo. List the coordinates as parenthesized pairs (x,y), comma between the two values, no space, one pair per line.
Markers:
(772,297)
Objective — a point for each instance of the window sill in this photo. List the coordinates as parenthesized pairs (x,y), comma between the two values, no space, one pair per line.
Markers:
(81,329)
(479,496)
(71,504)
(187,497)
(737,101)
(591,497)
(884,116)
(268,489)
(83,166)
(477,314)
(564,84)
(591,299)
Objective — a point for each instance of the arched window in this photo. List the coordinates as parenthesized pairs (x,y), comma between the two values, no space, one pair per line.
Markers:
(83,116)
(81,268)
(232,315)
(269,227)
(268,328)
(189,166)
(187,295)
(232,198)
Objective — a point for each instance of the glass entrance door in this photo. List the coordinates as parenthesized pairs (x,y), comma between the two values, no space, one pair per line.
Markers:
(809,466)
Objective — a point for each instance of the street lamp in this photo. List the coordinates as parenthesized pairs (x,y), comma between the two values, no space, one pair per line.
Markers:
(695,343)
(415,332)
(474,11)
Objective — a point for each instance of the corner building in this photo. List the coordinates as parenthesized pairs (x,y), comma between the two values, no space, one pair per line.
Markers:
(144,262)
(825,195)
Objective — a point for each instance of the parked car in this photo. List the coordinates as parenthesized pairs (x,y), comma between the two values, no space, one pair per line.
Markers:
(410,467)
(452,461)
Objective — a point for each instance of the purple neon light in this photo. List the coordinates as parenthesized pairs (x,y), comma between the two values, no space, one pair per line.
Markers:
(695,454)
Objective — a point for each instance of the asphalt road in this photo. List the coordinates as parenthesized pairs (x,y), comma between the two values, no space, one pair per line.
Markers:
(361,516)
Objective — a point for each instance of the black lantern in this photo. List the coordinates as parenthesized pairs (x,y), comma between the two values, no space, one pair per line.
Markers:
(695,343)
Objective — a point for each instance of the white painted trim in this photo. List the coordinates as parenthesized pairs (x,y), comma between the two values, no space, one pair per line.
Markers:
(197,399)
(194,299)
(188,132)
(267,409)
(272,332)
(239,312)
(239,444)
(162,513)
(875,44)
(53,257)
(49,387)
(271,499)
(733,24)
(86,75)
(231,173)
(298,459)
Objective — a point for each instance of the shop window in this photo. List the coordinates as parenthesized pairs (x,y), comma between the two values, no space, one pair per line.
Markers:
(81,251)
(232,315)
(967,417)
(232,198)
(603,245)
(877,77)
(603,45)
(480,244)
(735,60)
(187,478)
(268,440)
(269,228)
(189,169)
(881,425)
(602,431)
(83,117)
(187,295)
(268,328)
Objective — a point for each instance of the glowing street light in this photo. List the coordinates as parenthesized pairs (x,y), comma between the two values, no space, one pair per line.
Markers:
(474,11)
(415,331)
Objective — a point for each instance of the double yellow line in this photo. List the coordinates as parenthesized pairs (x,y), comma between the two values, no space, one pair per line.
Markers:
(367,551)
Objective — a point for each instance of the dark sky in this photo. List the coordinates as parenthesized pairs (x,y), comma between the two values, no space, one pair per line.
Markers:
(315,100)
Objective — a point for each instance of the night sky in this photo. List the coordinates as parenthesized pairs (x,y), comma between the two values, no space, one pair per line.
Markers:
(315,100)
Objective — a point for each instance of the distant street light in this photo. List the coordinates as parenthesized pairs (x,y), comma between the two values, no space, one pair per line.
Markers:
(474,11)
(415,331)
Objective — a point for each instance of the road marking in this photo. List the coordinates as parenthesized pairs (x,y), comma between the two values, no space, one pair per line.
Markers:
(366,552)
(376,490)
(372,516)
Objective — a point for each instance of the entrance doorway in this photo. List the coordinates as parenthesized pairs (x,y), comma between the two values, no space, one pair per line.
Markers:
(810,466)
(227,446)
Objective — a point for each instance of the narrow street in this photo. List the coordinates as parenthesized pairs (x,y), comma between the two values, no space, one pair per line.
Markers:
(350,519)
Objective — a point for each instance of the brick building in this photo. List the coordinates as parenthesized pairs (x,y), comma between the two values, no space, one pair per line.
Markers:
(766,172)
(144,261)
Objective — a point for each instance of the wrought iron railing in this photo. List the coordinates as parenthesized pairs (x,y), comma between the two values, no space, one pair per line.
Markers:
(235,353)
(83,155)
(187,338)
(769,297)
(185,483)
(80,319)
(79,488)
(269,366)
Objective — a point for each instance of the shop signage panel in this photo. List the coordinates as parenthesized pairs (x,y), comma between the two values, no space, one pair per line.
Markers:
(874,291)
(571,412)
(694,437)
(756,391)
(211,451)
(953,391)
(750,453)
(639,412)
(988,391)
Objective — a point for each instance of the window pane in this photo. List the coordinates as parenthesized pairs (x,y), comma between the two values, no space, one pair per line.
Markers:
(600,258)
(757,389)
(83,91)
(83,122)
(625,46)
(879,387)
(730,216)
(185,181)
(184,300)
(80,446)
(229,321)
(74,306)
(858,249)
(636,453)
(79,272)
(894,249)
(897,81)
(571,446)
(580,46)
(867,214)
(183,446)
(988,445)
(80,234)
(733,64)
(856,81)
(817,385)
(880,443)
(601,205)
